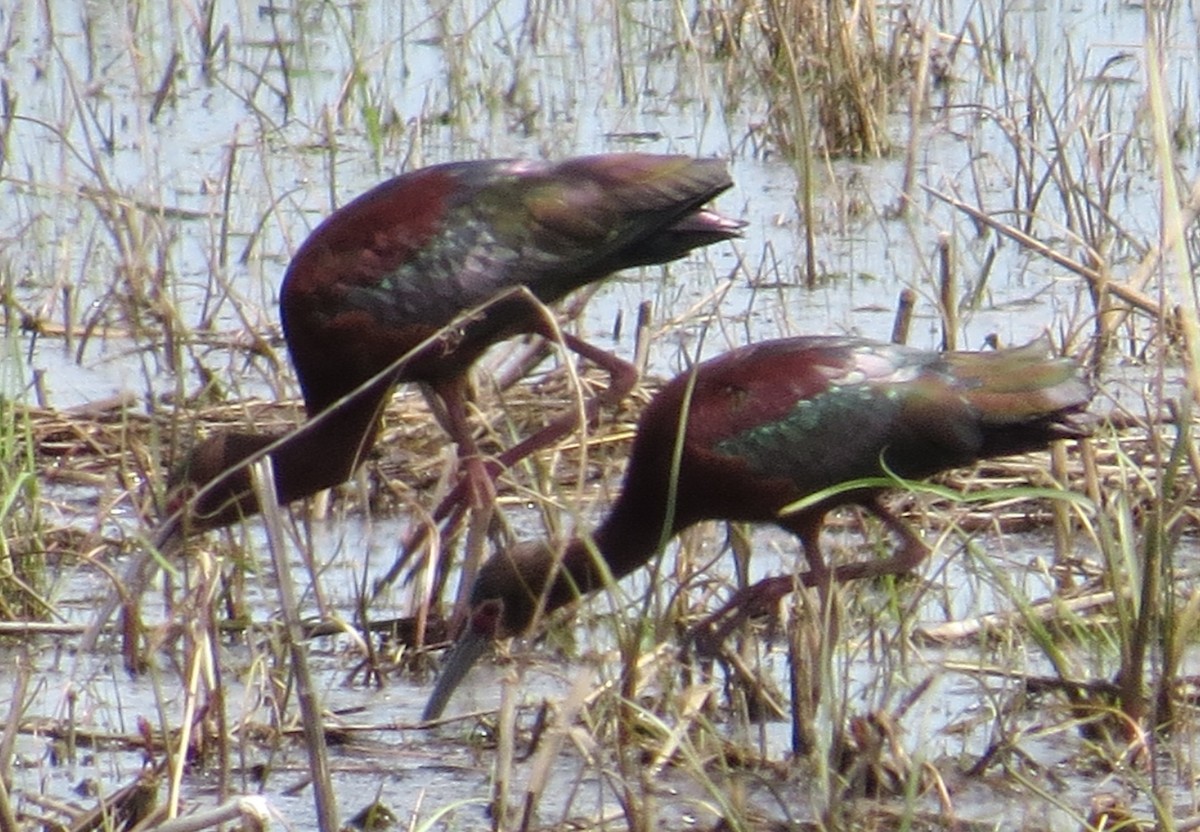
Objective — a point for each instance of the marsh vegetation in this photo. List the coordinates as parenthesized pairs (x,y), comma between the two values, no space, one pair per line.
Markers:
(1013,171)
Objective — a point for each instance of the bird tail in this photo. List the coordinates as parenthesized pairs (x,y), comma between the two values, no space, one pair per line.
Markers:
(1026,396)
(665,194)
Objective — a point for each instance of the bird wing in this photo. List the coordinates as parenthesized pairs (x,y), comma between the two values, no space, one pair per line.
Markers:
(822,411)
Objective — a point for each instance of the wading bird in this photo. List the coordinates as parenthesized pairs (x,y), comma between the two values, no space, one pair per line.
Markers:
(383,277)
(746,434)
(414,280)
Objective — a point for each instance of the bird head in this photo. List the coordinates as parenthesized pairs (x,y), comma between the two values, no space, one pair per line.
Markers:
(505,597)
(211,486)
(509,587)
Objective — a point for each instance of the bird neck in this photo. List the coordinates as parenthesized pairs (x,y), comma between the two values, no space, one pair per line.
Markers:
(627,538)
(322,453)
(326,451)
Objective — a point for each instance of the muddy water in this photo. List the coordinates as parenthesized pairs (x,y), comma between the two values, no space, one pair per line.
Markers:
(138,189)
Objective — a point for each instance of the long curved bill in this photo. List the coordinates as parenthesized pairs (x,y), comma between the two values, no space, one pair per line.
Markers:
(462,657)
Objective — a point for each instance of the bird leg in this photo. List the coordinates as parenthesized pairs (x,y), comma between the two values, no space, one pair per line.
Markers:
(478,486)
(764,596)
(810,639)
(622,379)
(452,394)
(909,554)
(475,490)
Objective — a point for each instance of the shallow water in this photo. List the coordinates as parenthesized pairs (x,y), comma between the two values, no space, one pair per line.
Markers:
(114,212)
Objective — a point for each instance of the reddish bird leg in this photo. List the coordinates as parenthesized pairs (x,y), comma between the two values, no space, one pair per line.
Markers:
(623,378)
(763,597)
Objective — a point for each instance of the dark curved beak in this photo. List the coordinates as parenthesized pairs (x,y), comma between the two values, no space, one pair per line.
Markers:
(475,640)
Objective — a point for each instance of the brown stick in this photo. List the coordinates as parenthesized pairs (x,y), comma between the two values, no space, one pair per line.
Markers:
(1129,294)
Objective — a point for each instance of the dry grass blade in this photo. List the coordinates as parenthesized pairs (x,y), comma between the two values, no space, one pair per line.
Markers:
(253,813)
(134,805)
(1095,279)
(552,744)
(306,693)
(1045,611)
(1175,220)
(8,819)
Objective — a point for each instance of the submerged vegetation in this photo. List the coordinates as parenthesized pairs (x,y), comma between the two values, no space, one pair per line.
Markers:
(159,165)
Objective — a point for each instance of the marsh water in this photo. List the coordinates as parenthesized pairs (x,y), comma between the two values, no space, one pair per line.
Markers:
(162,162)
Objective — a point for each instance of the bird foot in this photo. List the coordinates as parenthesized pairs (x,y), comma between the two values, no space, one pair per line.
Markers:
(762,598)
